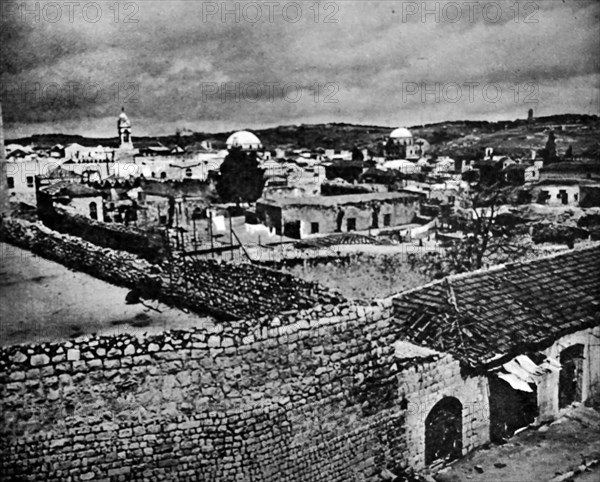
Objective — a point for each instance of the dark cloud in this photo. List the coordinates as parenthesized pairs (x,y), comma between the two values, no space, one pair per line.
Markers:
(168,59)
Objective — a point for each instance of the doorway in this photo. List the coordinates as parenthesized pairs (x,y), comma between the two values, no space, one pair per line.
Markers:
(571,375)
(443,431)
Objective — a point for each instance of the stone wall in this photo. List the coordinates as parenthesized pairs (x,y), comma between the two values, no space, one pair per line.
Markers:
(548,387)
(148,245)
(304,397)
(205,286)
(423,386)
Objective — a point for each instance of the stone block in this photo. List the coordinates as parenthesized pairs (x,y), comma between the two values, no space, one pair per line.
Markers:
(39,360)
(61,442)
(73,355)
(18,357)
(112,364)
(17,376)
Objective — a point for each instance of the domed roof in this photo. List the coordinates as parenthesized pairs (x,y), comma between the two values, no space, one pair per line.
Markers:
(401,133)
(243,139)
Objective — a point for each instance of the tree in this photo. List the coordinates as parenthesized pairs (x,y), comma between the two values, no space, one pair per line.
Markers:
(357,154)
(488,237)
(548,153)
(394,150)
(241,179)
(569,153)
(390,148)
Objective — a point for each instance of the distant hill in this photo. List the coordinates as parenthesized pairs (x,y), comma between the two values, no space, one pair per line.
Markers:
(446,138)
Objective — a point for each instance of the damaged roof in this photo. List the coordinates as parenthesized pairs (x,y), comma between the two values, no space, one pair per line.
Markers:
(484,316)
(340,199)
(70,189)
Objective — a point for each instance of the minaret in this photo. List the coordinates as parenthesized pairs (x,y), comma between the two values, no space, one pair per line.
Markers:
(124,128)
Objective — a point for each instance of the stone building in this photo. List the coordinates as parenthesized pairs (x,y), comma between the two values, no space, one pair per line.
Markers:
(73,196)
(20,178)
(557,193)
(304,217)
(528,350)
(568,192)
(574,183)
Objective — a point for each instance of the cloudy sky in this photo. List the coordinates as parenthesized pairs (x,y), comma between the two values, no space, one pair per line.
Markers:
(215,66)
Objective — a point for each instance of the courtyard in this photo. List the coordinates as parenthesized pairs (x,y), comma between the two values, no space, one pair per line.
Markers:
(44,301)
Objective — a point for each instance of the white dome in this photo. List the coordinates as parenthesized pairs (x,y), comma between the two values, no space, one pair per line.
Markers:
(243,139)
(401,133)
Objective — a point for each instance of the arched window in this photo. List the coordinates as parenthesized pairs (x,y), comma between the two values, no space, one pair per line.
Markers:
(93,210)
(443,431)
(188,172)
(163,175)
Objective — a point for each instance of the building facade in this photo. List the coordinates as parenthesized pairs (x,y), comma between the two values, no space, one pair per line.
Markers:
(519,358)
(301,218)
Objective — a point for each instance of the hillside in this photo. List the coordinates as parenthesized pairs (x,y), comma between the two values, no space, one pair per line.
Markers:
(447,138)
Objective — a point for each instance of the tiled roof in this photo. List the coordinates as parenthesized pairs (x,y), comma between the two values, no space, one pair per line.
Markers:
(341,199)
(337,239)
(481,316)
(70,189)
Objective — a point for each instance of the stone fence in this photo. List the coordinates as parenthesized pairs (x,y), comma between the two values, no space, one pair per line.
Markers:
(148,245)
(205,286)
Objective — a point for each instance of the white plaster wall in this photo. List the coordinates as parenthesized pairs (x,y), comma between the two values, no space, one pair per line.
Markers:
(19,172)
(553,191)
(548,386)
(81,206)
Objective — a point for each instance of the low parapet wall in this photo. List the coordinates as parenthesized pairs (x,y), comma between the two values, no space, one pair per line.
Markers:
(147,245)
(205,286)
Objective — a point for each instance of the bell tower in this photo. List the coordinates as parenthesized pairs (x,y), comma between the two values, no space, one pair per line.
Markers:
(124,128)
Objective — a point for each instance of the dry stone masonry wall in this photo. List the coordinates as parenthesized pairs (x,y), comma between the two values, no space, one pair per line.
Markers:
(148,245)
(205,286)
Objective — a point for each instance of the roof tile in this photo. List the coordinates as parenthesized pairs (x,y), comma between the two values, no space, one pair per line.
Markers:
(480,315)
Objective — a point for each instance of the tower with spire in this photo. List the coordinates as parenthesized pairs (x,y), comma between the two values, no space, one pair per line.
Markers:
(124,128)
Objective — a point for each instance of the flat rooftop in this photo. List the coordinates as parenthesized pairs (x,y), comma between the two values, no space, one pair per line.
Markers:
(332,201)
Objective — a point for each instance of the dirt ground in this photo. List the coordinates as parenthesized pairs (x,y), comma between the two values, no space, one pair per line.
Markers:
(536,454)
(43,301)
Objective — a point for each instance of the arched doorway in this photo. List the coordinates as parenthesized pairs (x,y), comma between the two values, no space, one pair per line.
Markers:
(571,375)
(443,431)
